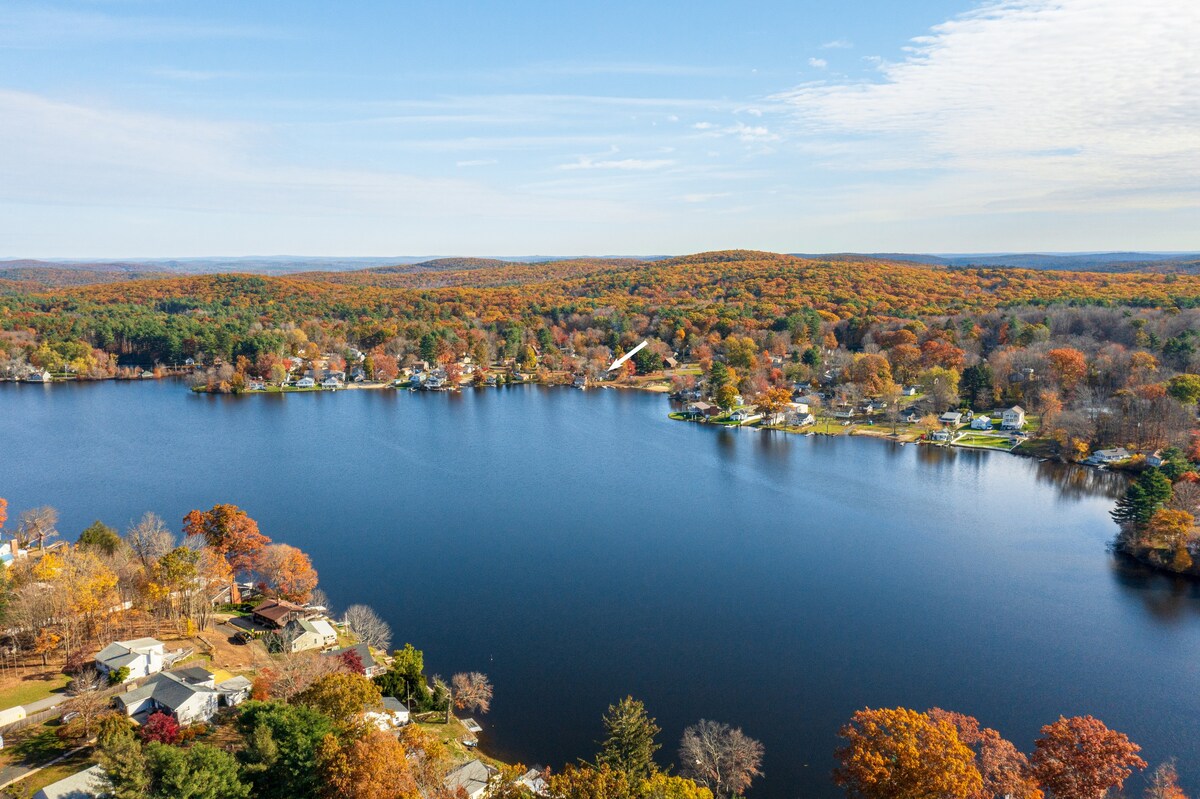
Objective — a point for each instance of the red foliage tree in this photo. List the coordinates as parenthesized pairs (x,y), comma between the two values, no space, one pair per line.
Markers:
(353,662)
(1081,758)
(230,531)
(161,728)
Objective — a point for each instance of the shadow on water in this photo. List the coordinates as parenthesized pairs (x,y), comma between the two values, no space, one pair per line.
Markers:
(1166,597)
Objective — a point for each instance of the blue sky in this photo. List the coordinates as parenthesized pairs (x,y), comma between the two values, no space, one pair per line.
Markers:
(155,129)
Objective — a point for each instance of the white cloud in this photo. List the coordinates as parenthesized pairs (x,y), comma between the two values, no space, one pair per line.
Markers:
(837,44)
(740,130)
(624,164)
(703,198)
(1025,105)
(818,63)
(476,162)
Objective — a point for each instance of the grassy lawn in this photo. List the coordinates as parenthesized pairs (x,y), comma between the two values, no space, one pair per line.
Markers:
(32,688)
(981,440)
(34,745)
(451,735)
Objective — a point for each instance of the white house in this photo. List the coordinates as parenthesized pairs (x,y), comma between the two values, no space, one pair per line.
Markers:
(331,382)
(306,382)
(981,422)
(909,391)
(234,691)
(1013,418)
(941,435)
(745,415)
(142,656)
(10,551)
(301,635)
(187,694)
(41,376)
(325,629)
(1102,456)
(534,781)
(951,417)
(393,715)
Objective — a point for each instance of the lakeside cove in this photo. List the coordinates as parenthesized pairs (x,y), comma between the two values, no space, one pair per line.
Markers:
(634,596)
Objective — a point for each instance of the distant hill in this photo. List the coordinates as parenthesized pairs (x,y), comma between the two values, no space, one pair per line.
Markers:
(1187,263)
(440,265)
(38,275)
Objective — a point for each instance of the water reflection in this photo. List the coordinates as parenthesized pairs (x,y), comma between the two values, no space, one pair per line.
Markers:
(1080,482)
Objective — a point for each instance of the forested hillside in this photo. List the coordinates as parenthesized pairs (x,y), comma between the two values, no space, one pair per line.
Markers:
(1105,357)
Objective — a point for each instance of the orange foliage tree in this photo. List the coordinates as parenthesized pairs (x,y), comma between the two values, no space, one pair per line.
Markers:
(1004,769)
(286,572)
(230,531)
(374,766)
(1081,758)
(904,754)
(1069,366)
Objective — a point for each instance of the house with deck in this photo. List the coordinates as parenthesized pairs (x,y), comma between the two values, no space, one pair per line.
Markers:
(981,422)
(393,715)
(142,656)
(276,613)
(951,418)
(302,635)
(1103,457)
(1013,418)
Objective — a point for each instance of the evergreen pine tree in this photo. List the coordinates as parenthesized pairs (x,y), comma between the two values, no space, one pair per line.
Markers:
(630,745)
(1149,492)
(123,761)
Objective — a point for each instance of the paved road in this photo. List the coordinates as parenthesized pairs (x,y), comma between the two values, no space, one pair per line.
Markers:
(54,700)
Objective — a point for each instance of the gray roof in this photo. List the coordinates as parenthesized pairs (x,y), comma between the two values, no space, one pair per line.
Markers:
(238,683)
(165,688)
(194,674)
(364,654)
(85,784)
(122,653)
(393,705)
(470,776)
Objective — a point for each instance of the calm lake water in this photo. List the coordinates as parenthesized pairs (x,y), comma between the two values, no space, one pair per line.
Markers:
(579,546)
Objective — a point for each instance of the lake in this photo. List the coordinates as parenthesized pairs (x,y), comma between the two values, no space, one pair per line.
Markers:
(578,546)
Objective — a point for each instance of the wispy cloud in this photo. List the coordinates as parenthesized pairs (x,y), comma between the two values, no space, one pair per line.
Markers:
(476,162)
(623,164)
(738,130)
(837,44)
(1028,105)
(818,63)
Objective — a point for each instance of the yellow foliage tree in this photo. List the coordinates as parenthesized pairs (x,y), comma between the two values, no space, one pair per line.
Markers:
(904,754)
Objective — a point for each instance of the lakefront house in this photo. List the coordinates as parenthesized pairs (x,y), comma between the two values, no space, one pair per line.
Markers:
(1013,418)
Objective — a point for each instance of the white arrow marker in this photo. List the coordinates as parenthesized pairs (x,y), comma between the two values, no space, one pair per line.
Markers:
(626,356)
